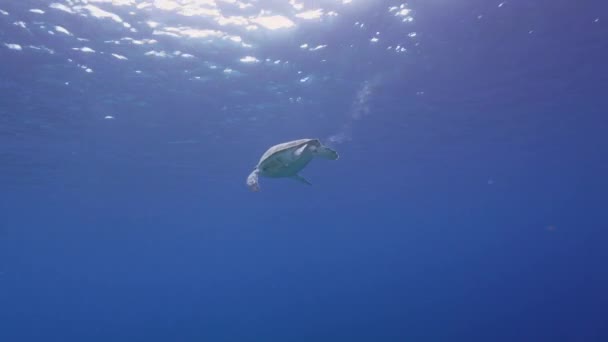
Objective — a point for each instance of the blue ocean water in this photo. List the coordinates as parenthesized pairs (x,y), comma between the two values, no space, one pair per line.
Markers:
(468,202)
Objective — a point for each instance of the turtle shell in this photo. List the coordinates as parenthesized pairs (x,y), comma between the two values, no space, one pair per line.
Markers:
(272,151)
(273,165)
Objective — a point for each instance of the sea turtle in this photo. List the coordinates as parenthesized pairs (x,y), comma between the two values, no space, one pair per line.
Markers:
(285,160)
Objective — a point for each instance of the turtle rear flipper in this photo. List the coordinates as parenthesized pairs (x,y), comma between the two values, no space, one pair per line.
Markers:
(253,180)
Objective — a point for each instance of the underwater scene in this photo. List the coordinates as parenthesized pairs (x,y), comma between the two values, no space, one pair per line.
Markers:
(303,170)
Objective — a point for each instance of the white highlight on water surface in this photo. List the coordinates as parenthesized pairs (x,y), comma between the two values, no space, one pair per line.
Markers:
(99,13)
(312,14)
(318,47)
(3,12)
(249,59)
(152,24)
(204,8)
(188,32)
(156,53)
(188,8)
(41,48)
(274,22)
(20,24)
(16,47)
(295,5)
(62,30)
(61,7)
(234,38)
(37,11)
(119,56)
(84,49)
(404,12)
(138,42)
(117,2)
(234,20)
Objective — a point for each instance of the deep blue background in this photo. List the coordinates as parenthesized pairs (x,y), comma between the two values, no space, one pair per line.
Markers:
(474,211)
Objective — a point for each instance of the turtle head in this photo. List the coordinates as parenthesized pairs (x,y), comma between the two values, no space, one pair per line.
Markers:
(252,181)
(326,153)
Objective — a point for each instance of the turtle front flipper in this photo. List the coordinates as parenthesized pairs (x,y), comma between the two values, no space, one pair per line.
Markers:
(301,179)
(298,153)
(253,181)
